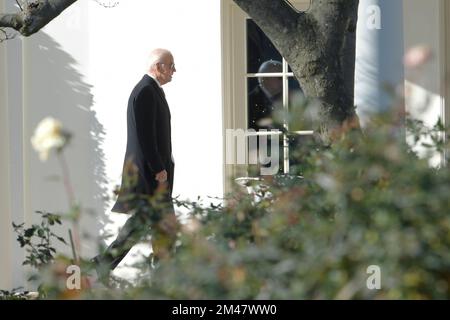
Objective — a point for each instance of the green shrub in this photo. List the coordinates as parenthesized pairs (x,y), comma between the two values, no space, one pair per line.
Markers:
(365,200)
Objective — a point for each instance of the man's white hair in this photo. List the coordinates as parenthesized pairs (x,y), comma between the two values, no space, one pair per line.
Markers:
(156,56)
(270,66)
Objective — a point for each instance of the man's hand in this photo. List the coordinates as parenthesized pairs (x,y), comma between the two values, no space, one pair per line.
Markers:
(161,176)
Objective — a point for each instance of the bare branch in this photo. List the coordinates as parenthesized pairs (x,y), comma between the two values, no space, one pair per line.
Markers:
(34,16)
(283,24)
(18,3)
(110,4)
(11,21)
(278,14)
(5,36)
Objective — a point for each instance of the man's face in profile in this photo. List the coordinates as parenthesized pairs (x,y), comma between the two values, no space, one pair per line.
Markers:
(273,85)
(167,69)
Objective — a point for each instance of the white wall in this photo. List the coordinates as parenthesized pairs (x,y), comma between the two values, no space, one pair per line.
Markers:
(426,80)
(424,86)
(5,225)
(191,30)
(14,180)
(81,69)
(56,64)
(117,55)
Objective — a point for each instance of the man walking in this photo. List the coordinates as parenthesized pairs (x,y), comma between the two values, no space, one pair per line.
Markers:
(148,168)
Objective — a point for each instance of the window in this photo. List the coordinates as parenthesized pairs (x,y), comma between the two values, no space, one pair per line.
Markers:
(259,87)
(271,90)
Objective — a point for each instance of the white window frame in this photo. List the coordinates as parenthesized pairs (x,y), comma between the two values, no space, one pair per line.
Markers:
(235,88)
(445,69)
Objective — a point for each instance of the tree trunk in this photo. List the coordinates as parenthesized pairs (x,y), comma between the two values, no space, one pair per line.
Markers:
(319,45)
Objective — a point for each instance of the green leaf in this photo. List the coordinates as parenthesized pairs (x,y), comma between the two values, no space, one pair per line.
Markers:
(41,233)
(29,232)
(61,239)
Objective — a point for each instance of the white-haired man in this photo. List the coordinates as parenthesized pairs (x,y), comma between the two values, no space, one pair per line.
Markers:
(148,167)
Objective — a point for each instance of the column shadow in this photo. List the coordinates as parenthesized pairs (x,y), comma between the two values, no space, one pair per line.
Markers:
(55,86)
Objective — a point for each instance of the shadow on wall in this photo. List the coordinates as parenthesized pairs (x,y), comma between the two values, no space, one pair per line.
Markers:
(55,87)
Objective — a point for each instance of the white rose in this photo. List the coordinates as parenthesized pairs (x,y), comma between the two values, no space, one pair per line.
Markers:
(48,135)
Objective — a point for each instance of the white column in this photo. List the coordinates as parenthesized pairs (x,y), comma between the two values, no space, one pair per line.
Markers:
(15,181)
(5,209)
(379,56)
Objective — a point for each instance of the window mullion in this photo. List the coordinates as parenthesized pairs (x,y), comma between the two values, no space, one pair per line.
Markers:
(285,124)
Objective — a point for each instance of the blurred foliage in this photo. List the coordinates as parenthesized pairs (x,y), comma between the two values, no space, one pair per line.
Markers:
(15,294)
(366,199)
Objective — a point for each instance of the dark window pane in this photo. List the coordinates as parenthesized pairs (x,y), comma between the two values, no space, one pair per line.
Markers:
(265,95)
(259,48)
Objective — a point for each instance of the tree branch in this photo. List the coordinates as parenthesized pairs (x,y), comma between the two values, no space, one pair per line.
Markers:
(333,18)
(289,30)
(336,24)
(110,4)
(4,35)
(10,21)
(34,16)
(20,6)
(278,14)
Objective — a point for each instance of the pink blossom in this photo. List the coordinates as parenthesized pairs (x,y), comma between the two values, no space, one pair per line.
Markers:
(417,56)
